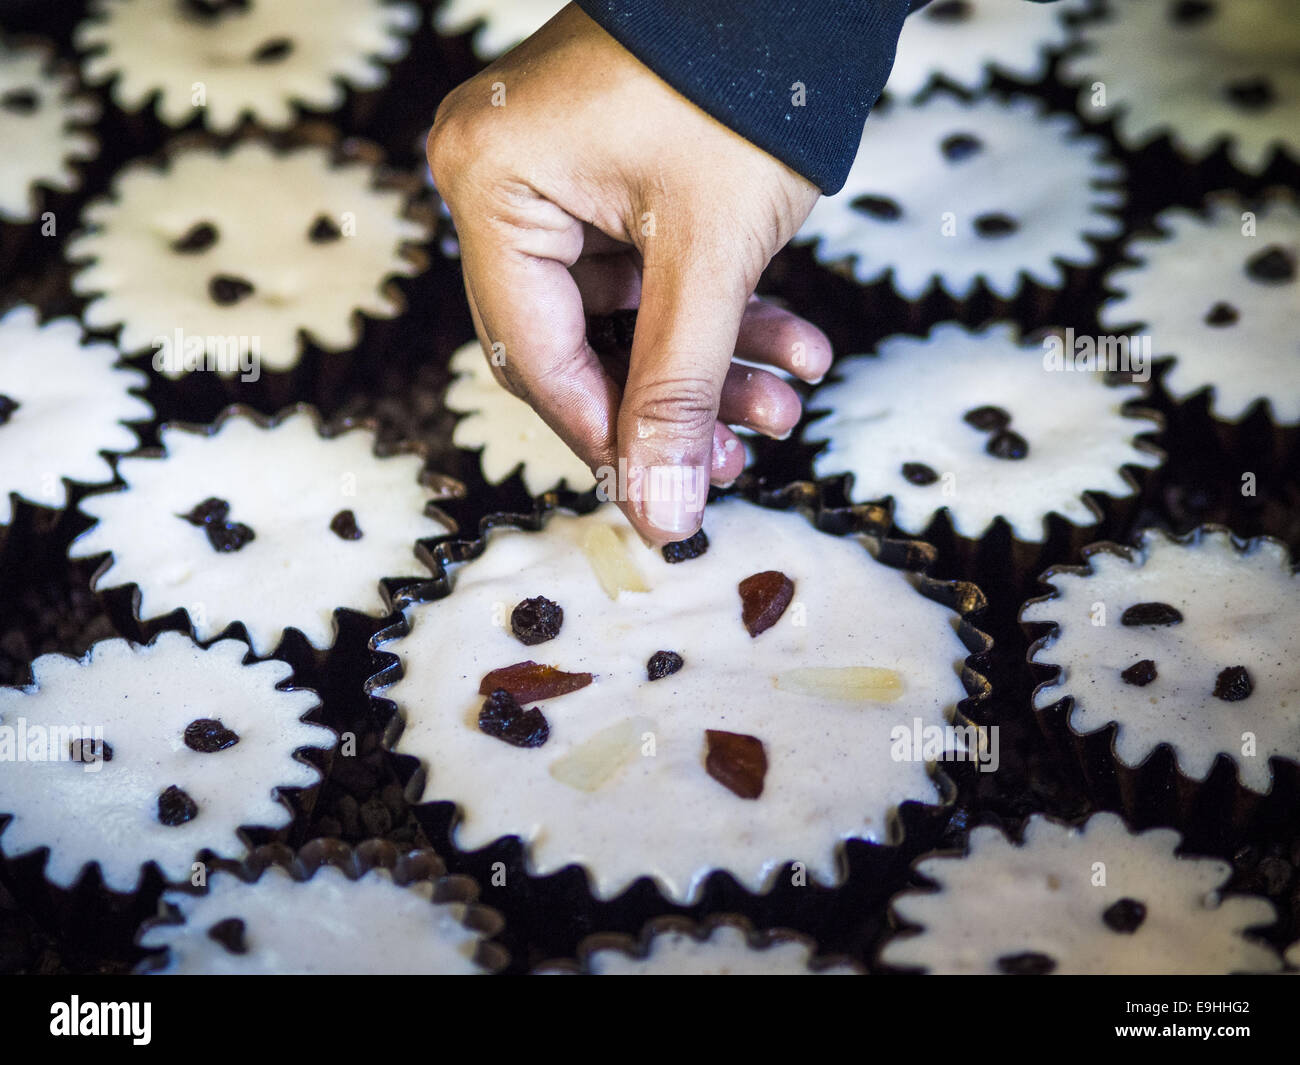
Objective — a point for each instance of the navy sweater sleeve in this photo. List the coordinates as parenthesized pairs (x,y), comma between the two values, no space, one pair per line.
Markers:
(795,77)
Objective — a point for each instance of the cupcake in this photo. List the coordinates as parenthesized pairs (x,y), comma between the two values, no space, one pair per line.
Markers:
(228,261)
(1204,73)
(928,203)
(226,60)
(748,698)
(45,128)
(265,524)
(671,946)
(1192,643)
(963,43)
(508,433)
(1093,900)
(148,755)
(1019,457)
(496,25)
(63,405)
(1218,290)
(327,911)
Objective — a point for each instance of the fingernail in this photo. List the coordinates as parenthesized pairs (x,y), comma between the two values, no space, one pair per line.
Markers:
(673,497)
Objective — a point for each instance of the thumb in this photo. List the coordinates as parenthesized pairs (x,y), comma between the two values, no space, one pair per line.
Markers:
(690,315)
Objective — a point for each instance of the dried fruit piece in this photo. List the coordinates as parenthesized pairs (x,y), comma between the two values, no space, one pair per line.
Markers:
(175,807)
(90,751)
(849,683)
(230,933)
(1030,963)
(273,51)
(199,238)
(614,567)
(919,473)
(960,146)
(1124,916)
(1140,673)
(210,510)
(503,718)
(685,550)
(527,681)
(736,761)
(996,225)
(226,290)
(323,230)
(208,736)
(763,599)
(7,408)
(536,620)
(344,526)
(987,419)
(663,664)
(881,208)
(1006,444)
(229,536)
(593,763)
(1233,684)
(1150,614)
(1272,266)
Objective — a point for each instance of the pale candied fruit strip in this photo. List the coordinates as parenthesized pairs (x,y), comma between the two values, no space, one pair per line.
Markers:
(846,683)
(594,762)
(614,567)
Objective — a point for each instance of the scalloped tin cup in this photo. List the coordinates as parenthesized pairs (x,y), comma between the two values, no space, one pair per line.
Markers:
(577,690)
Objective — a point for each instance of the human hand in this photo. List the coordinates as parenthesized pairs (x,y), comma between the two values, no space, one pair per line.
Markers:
(580,183)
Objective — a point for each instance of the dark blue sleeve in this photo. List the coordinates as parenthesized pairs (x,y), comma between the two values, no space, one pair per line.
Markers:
(745,62)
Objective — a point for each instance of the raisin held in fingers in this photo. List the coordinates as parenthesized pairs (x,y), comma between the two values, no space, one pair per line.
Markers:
(536,620)
(684,550)
(663,664)
(763,599)
(736,761)
(504,719)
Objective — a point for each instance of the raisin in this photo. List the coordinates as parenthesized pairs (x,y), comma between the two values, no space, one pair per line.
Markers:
(273,51)
(208,736)
(20,101)
(1190,12)
(1140,673)
(880,208)
(536,620)
(1251,94)
(919,473)
(209,511)
(229,536)
(1125,916)
(526,681)
(1233,684)
(1029,963)
(1150,614)
(1222,314)
(763,599)
(736,761)
(960,146)
(226,290)
(1007,445)
(504,719)
(949,10)
(324,230)
(685,550)
(175,807)
(7,408)
(1272,266)
(90,751)
(663,664)
(987,419)
(230,933)
(995,225)
(344,526)
(200,237)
